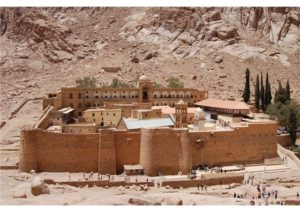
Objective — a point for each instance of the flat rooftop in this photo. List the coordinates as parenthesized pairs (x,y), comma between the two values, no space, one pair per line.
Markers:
(132,124)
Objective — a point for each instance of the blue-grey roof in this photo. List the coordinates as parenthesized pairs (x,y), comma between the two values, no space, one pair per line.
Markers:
(132,124)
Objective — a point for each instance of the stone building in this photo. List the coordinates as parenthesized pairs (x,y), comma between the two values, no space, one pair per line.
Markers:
(82,99)
(103,117)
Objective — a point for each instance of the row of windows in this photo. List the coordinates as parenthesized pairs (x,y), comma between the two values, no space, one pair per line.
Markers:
(136,96)
(93,114)
(106,96)
(173,96)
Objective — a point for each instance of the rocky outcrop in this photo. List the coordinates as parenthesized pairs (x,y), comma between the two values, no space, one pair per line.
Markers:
(35,29)
(190,32)
(136,201)
(171,201)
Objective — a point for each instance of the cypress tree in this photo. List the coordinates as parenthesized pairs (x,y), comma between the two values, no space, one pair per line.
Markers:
(257,93)
(281,96)
(246,93)
(288,90)
(268,95)
(262,92)
(292,125)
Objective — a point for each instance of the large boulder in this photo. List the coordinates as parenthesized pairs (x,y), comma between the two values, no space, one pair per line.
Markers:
(39,187)
(171,201)
(150,54)
(226,32)
(136,201)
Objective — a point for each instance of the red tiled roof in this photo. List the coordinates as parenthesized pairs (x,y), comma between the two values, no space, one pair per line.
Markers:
(226,104)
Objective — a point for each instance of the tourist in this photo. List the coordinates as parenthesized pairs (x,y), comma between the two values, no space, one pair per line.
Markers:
(136,179)
(198,187)
(202,187)
(234,195)
(147,179)
(297,194)
(258,188)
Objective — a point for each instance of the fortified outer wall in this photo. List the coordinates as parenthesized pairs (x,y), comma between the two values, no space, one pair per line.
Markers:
(57,152)
(127,146)
(105,152)
(166,151)
(250,144)
(158,150)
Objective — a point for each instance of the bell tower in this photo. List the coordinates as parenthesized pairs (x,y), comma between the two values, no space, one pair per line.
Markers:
(199,120)
(181,114)
(145,89)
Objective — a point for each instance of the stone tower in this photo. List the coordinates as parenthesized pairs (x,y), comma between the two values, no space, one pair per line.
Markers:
(181,114)
(145,89)
(199,120)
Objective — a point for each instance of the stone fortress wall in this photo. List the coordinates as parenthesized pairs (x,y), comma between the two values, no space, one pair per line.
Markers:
(168,151)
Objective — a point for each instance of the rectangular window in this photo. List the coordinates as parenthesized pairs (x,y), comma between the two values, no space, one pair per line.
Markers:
(71,96)
(79,96)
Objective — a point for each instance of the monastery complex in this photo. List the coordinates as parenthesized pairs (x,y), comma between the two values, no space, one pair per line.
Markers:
(160,130)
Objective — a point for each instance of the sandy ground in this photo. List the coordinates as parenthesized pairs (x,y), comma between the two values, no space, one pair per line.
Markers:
(281,178)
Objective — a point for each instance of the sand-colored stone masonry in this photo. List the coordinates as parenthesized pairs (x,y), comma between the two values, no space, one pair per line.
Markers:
(166,151)
(158,150)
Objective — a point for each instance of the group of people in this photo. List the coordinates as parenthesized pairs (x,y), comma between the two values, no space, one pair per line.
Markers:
(203,187)
(239,195)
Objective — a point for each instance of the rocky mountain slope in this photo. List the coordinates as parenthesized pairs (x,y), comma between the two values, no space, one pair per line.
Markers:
(42,49)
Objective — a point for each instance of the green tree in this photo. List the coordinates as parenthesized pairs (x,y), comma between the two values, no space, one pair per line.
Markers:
(268,95)
(262,92)
(281,95)
(288,90)
(292,124)
(175,83)
(157,85)
(86,82)
(116,83)
(257,93)
(246,93)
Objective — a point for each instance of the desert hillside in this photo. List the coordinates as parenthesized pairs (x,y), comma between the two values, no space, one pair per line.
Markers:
(42,49)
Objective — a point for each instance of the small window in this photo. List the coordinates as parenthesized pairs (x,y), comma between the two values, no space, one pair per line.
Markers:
(71,96)
(79,96)
(93,114)
(79,113)
(114,114)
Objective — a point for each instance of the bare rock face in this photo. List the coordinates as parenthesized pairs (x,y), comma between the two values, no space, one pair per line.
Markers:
(171,201)
(189,32)
(38,31)
(38,187)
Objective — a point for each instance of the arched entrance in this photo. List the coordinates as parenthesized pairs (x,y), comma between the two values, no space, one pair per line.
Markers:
(145,94)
